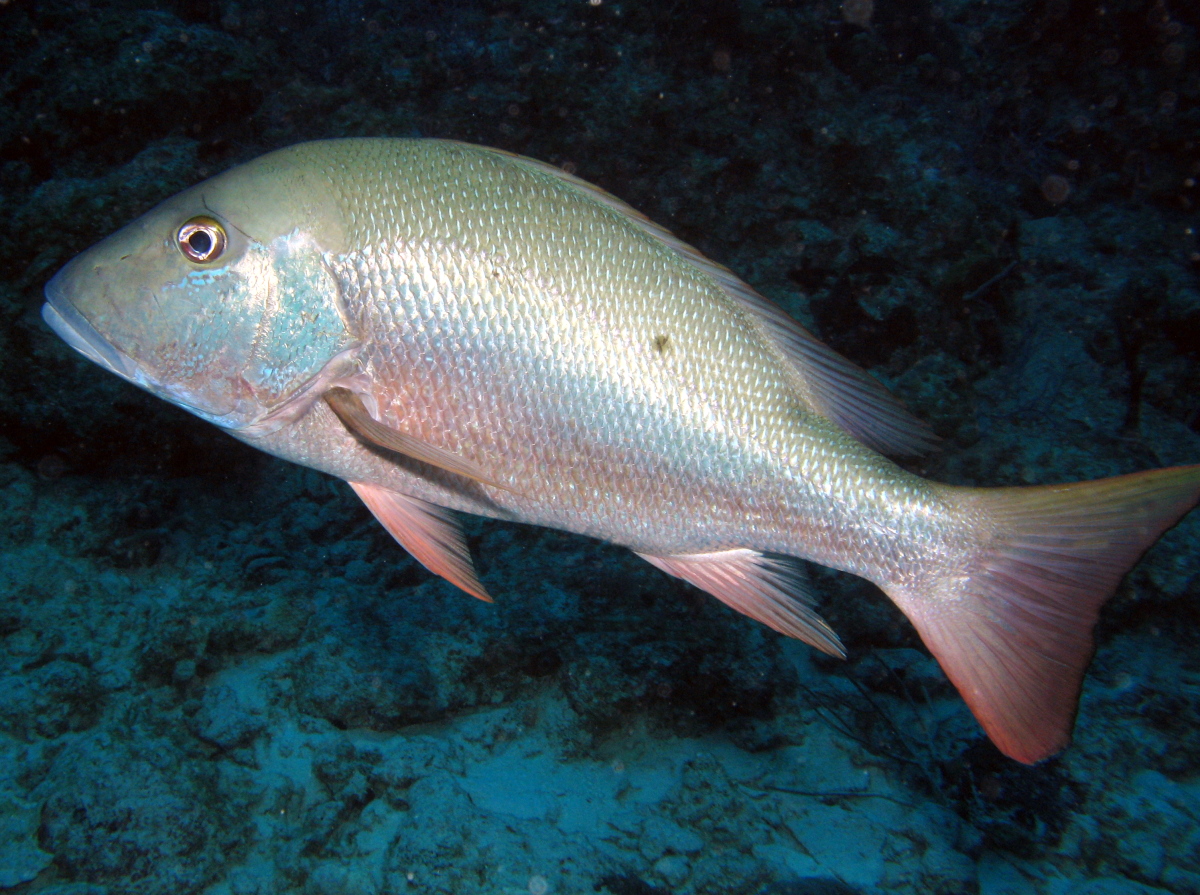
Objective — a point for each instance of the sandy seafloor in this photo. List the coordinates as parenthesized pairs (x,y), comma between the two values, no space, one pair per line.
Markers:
(218,675)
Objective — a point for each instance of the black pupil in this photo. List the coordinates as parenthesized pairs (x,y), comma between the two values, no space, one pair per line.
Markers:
(200,242)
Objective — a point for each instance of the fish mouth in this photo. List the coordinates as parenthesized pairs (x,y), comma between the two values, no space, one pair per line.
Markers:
(74,329)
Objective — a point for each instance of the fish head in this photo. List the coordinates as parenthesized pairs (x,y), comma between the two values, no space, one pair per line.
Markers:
(221,299)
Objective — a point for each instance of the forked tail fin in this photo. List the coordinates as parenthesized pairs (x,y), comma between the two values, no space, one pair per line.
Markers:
(1012,626)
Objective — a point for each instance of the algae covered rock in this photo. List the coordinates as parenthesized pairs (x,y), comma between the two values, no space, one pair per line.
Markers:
(138,811)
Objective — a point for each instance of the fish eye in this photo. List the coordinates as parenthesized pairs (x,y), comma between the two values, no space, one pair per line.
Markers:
(201,239)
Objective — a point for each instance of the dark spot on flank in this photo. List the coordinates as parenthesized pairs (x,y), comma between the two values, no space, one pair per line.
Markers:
(662,344)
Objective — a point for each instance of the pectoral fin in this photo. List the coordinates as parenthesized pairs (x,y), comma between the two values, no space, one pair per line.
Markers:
(355,417)
(763,588)
(429,532)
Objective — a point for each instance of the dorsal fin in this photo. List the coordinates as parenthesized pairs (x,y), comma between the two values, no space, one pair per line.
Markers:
(834,387)
(827,383)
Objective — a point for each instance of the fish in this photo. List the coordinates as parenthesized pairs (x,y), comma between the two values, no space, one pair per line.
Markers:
(452,328)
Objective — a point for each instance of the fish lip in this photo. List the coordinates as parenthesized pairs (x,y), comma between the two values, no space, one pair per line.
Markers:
(74,329)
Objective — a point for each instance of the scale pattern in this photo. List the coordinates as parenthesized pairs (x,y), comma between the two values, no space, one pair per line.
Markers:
(616,389)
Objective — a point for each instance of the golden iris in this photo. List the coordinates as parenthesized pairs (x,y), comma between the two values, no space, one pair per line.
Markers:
(201,239)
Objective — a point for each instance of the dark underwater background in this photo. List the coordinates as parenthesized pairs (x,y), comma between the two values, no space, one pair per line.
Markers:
(218,675)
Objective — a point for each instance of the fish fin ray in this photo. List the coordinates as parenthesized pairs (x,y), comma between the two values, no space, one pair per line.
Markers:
(429,532)
(354,415)
(1013,628)
(768,589)
(831,385)
(828,384)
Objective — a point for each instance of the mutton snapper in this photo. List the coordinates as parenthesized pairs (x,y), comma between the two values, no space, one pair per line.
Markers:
(449,327)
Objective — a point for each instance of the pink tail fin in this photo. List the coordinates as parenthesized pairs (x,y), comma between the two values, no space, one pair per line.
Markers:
(1012,628)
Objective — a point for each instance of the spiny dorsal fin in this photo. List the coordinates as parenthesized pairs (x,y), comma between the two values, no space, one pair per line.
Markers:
(429,532)
(766,589)
(355,417)
(834,387)
(827,383)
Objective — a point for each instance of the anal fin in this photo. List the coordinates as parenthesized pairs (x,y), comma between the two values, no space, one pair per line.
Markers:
(429,532)
(766,589)
(355,417)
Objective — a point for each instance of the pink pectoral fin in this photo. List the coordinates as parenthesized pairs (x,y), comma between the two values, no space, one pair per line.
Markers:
(429,532)
(763,588)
